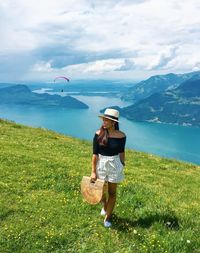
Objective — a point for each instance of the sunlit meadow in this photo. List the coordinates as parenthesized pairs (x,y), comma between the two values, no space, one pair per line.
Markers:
(42,210)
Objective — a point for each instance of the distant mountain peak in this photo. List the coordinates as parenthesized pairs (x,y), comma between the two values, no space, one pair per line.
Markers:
(157,83)
(16,88)
(21,95)
(179,106)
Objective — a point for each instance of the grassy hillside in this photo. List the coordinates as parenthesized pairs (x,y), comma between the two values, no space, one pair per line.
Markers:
(41,208)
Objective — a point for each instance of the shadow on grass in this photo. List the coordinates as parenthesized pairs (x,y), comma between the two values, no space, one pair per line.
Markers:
(6,214)
(125,224)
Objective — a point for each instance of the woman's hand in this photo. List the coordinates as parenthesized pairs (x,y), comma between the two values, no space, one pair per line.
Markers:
(93,176)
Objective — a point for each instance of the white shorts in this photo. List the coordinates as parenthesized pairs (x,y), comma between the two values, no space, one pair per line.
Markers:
(110,168)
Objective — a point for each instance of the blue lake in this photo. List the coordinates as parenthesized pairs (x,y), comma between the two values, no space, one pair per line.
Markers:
(182,143)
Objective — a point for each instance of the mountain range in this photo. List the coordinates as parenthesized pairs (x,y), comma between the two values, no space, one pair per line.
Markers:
(171,98)
(22,95)
(179,106)
(155,84)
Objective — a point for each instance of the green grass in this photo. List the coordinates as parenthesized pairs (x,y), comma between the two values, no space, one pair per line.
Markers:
(42,210)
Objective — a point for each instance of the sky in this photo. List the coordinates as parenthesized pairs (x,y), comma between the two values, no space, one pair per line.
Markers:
(97,39)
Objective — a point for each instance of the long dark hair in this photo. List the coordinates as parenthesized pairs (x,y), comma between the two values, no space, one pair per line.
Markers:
(103,135)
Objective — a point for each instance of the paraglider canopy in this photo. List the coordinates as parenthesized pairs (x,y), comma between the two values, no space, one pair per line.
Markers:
(61,77)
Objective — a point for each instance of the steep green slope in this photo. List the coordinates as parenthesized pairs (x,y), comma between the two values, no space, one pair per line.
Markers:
(41,208)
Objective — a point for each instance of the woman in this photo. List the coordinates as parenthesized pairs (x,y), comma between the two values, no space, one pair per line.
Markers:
(108,159)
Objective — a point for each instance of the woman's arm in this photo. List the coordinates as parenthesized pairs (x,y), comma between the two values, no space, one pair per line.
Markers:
(94,166)
(122,149)
(122,157)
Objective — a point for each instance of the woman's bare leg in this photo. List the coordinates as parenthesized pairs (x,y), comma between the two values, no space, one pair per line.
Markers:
(112,189)
(104,201)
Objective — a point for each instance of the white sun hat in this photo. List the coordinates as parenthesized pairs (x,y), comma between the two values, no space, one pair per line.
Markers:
(111,114)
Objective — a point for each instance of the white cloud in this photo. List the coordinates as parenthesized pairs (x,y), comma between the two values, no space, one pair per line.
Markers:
(94,68)
(42,67)
(163,58)
(103,66)
(127,65)
(151,35)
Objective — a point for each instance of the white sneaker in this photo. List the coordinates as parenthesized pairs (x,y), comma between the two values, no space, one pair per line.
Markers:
(103,212)
(107,224)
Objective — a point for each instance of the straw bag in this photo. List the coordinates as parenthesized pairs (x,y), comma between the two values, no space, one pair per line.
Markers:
(93,191)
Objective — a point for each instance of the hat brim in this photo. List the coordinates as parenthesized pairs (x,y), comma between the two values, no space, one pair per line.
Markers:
(107,117)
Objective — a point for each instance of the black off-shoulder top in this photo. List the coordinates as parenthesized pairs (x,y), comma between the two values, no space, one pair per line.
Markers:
(114,146)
